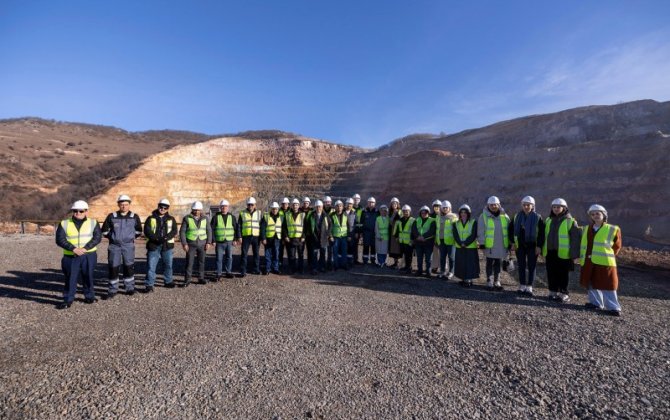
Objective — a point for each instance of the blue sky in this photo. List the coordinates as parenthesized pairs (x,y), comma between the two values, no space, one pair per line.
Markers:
(354,72)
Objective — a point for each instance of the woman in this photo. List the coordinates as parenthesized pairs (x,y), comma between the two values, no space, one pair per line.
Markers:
(464,230)
(493,237)
(382,233)
(561,247)
(600,244)
(527,236)
(394,250)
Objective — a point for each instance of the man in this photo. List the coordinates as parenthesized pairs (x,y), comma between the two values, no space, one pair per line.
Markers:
(358,227)
(121,228)
(403,231)
(444,238)
(294,237)
(271,229)
(340,234)
(78,236)
(352,244)
(435,214)
(328,205)
(160,230)
(224,228)
(249,225)
(423,236)
(317,226)
(328,209)
(195,235)
(285,208)
(305,208)
(368,219)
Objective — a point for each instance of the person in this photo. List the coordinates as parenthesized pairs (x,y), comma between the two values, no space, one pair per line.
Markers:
(121,228)
(195,235)
(445,240)
(382,233)
(423,236)
(600,244)
(493,237)
(466,261)
(403,231)
(435,255)
(328,205)
(367,221)
(329,209)
(285,208)
(271,228)
(224,230)
(79,236)
(394,246)
(340,234)
(307,209)
(526,232)
(358,228)
(560,247)
(249,227)
(160,229)
(294,237)
(352,240)
(317,233)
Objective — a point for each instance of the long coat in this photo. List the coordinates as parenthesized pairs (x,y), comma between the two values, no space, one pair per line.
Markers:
(599,276)
(498,251)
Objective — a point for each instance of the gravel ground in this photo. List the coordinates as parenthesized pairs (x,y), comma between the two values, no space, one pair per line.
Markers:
(365,344)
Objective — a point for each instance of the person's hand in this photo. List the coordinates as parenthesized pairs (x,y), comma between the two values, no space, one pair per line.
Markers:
(302,239)
(538,250)
(288,240)
(206,247)
(79,251)
(185,247)
(575,260)
(265,242)
(420,238)
(512,247)
(482,247)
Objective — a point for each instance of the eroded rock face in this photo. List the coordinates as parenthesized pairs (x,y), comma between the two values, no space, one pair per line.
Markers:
(232,168)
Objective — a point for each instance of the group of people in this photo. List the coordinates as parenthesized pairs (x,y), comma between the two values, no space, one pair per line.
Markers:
(445,244)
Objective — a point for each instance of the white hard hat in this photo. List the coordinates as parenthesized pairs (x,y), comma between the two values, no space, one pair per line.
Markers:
(123,197)
(528,199)
(196,206)
(286,201)
(164,201)
(306,199)
(79,205)
(327,199)
(356,196)
(318,203)
(424,208)
(465,207)
(406,207)
(598,207)
(559,202)
(437,203)
(384,207)
(274,205)
(371,200)
(395,200)
(446,204)
(295,201)
(339,202)
(493,200)
(350,201)
(251,200)
(224,203)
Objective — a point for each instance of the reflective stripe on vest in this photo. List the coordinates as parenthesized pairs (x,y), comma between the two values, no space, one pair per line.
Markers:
(272,227)
(78,238)
(563,238)
(194,232)
(294,226)
(423,228)
(491,230)
(405,232)
(448,232)
(537,225)
(224,231)
(602,252)
(251,223)
(339,230)
(464,233)
(168,224)
(383,227)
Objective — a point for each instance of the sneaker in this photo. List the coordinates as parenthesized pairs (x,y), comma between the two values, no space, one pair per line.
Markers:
(450,276)
(489,284)
(529,292)
(565,298)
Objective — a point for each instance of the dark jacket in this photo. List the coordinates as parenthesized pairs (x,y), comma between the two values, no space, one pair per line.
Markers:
(162,234)
(184,227)
(284,226)
(525,238)
(369,219)
(429,236)
(317,232)
(61,238)
(464,242)
(118,234)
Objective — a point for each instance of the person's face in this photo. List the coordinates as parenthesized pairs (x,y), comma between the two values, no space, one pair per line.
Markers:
(79,214)
(285,206)
(339,208)
(446,210)
(305,204)
(424,214)
(328,204)
(384,211)
(350,206)
(295,206)
(557,210)
(357,201)
(251,207)
(597,217)
(405,213)
(371,204)
(527,207)
(463,215)
(196,213)
(162,208)
(124,206)
(224,209)
(274,211)
(436,209)
(494,207)
(395,205)
(319,209)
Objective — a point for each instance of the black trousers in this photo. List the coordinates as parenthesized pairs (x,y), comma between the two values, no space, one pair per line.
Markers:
(296,259)
(407,251)
(558,272)
(250,241)
(493,267)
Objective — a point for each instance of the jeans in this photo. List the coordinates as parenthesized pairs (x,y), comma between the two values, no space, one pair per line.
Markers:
(153,255)
(224,258)
(424,251)
(75,267)
(447,252)
(526,258)
(250,241)
(340,252)
(272,254)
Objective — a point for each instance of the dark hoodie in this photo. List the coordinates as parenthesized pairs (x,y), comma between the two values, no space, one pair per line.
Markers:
(162,235)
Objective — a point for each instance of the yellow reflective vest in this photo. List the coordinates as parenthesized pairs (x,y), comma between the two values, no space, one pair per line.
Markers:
(251,223)
(195,232)
(272,227)
(464,232)
(602,252)
(563,237)
(78,238)
(491,230)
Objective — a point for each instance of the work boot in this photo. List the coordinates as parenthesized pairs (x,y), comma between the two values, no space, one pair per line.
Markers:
(186,283)
(170,285)
(63,305)
(230,275)
(109,296)
(148,289)
(89,301)
(130,292)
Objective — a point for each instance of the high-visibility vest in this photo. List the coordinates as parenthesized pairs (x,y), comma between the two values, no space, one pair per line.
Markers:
(78,238)
(224,231)
(295,225)
(563,237)
(448,232)
(339,230)
(537,225)
(272,227)
(464,232)
(423,226)
(491,230)
(383,227)
(153,226)
(196,232)
(251,223)
(405,235)
(602,252)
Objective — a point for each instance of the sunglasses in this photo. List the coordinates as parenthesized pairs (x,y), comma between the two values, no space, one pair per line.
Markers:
(163,207)
(79,211)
